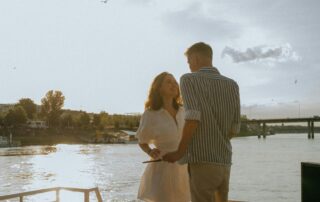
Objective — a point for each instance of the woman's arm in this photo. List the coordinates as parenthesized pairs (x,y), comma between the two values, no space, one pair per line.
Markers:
(153,153)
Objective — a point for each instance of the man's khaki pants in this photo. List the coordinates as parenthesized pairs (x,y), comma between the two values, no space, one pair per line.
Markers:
(209,182)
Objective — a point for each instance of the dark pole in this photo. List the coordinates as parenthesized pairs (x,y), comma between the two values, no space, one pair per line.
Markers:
(309,130)
(312,130)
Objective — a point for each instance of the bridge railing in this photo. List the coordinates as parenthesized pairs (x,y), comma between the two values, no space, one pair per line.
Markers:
(86,193)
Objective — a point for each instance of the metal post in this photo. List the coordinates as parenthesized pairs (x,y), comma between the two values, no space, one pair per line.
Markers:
(10,140)
(309,132)
(58,195)
(312,130)
(86,196)
(98,195)
(21,198)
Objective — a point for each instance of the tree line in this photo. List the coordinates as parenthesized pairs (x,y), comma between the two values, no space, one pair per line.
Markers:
(52,113)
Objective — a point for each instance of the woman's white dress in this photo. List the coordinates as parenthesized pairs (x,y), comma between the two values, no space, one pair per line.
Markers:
(163,181)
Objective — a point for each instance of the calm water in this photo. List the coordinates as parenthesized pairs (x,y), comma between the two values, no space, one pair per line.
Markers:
(263,169)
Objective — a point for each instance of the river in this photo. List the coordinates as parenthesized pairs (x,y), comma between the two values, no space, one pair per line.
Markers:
(263,169)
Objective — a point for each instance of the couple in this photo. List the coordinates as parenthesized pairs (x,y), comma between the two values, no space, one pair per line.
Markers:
(197,134)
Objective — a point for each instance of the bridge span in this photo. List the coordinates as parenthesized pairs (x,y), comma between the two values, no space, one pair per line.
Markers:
(309,120)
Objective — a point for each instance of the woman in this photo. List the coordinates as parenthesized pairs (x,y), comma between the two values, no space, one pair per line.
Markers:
(160,132)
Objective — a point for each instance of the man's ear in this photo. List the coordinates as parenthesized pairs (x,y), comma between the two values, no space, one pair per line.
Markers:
(197,58)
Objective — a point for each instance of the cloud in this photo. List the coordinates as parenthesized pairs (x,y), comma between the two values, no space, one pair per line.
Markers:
(195,22)
(290,109)
(280,54)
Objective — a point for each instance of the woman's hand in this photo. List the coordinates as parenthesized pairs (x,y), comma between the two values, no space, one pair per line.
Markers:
(154,153)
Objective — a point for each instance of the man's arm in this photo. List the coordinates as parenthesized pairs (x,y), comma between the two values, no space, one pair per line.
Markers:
(192,117)
(233,132)
(187,134)
(235,128)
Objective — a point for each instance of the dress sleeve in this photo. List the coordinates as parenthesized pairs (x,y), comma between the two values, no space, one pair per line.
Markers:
(145,133)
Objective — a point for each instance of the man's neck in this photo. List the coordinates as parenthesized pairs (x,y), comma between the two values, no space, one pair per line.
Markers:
(204,66)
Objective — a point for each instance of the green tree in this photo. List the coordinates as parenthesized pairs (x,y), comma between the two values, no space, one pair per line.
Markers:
(130,125)
(96,120)
(243,117)
(116,125)
(1,121)
(67,121)
(137,123)
(84,120)
(105,118)
(51,107)
(15,117)
(29,106)
(127,123)
(244,130)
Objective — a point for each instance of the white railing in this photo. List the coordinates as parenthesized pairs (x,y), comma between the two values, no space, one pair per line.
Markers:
(86,193)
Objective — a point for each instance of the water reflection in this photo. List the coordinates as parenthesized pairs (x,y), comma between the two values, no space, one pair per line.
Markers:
(30,150)
(90,149)
(116,169)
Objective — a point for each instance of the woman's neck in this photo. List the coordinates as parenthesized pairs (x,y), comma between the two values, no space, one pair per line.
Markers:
(168,106)
(167,103)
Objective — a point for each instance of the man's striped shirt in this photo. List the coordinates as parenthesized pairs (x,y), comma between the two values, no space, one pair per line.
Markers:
(214,101)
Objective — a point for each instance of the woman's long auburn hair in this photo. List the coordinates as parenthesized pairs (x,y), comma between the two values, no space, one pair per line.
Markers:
(154,100)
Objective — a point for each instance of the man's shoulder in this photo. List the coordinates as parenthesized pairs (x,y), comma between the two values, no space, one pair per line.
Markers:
(229,80)
(195,76)
(188,76)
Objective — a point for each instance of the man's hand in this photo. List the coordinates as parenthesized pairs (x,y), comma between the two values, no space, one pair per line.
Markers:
(172,156)
(154,153)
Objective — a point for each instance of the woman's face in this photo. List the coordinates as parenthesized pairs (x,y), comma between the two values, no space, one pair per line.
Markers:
(169,87)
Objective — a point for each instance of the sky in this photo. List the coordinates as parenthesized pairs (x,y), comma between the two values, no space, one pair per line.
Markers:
(104,56)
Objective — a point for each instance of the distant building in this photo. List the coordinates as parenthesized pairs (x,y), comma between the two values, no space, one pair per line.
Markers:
(128,136)
(106,138)
(37,124)
(4,108)
(133,114)
(4,141)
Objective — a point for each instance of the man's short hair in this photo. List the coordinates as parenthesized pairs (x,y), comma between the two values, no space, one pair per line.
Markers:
(200,48)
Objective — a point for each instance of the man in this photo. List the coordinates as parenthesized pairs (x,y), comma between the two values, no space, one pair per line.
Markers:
(212,106)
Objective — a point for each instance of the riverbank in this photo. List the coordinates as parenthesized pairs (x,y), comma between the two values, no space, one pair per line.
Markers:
(28,137)
(54,136)
(271,130)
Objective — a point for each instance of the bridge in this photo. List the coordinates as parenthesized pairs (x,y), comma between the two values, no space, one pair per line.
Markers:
(310,121)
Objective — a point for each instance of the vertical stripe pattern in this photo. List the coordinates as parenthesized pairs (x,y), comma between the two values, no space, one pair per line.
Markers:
(214,101)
